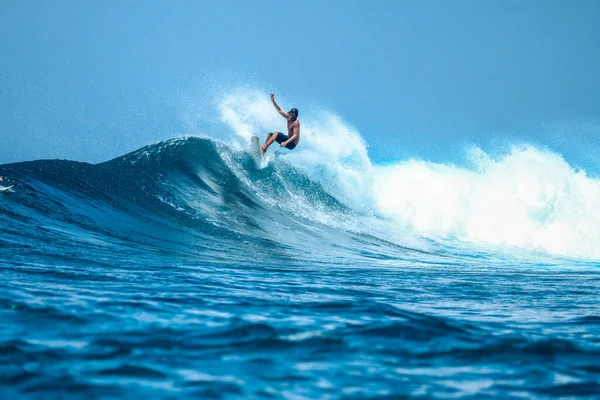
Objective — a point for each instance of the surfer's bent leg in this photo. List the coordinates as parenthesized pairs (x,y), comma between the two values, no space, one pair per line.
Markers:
(271,137)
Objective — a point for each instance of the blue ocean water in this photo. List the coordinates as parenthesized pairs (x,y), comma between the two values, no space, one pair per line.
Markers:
(187,269)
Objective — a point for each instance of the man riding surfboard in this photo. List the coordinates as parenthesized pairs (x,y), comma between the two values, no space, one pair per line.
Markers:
(291,140)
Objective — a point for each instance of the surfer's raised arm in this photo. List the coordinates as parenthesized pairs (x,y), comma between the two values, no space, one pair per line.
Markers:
(279,110)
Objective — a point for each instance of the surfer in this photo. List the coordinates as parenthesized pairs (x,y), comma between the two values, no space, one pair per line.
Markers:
(291,140)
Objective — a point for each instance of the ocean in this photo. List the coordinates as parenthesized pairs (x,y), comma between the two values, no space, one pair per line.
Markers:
(188,269)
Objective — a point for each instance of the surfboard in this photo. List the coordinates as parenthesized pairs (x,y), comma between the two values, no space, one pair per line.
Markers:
(255,148)
(3,188)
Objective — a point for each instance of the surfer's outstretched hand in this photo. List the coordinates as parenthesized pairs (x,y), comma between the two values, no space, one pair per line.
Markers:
(273,96)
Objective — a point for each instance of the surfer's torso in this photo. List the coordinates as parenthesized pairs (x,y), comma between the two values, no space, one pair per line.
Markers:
(290,127)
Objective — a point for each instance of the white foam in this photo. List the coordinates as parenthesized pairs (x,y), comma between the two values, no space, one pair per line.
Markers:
(528,198)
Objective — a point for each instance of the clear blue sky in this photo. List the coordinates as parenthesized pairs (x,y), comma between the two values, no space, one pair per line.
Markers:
(90,80)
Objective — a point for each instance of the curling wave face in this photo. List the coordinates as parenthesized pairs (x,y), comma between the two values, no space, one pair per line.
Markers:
(194,195)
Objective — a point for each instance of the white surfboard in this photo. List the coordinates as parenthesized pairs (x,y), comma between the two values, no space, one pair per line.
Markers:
(255,148)
(4,188)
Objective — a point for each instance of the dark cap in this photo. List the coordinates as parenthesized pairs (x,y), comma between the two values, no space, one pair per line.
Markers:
(294,110)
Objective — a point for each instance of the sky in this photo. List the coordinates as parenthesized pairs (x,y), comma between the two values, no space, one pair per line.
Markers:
(92,80)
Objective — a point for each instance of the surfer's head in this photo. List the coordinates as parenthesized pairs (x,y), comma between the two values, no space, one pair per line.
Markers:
(293,113)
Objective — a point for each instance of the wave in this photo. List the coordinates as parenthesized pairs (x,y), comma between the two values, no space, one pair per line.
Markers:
(196,195)
(525,198)
(207,194)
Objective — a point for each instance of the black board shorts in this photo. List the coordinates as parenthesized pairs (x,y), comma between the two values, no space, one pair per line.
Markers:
(282,137)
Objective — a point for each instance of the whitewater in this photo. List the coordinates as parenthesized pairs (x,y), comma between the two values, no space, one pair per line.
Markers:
(525,198)
(188,269)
